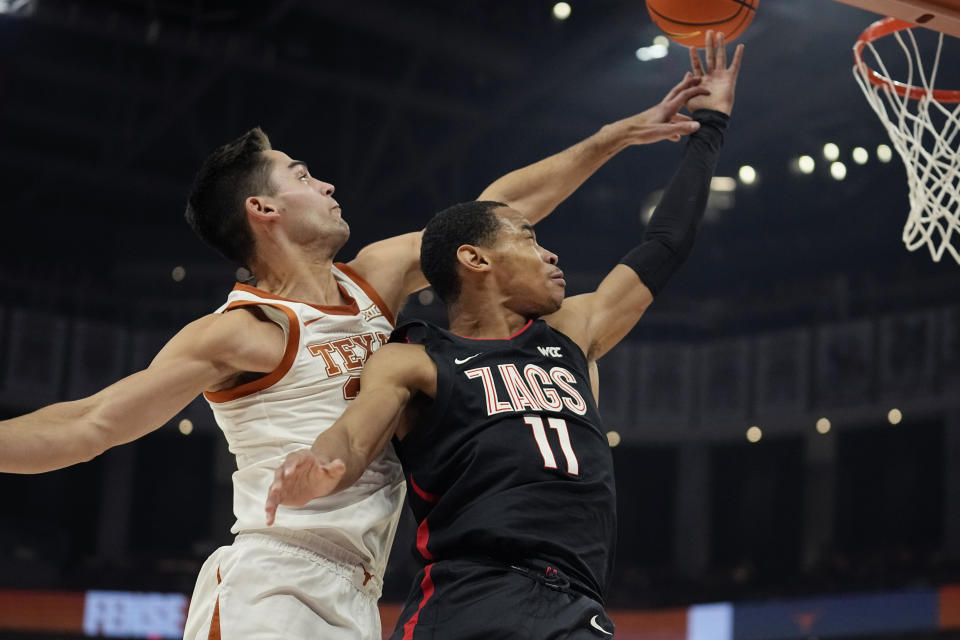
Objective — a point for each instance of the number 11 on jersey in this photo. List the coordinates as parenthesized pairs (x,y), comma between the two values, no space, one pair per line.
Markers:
(543,443)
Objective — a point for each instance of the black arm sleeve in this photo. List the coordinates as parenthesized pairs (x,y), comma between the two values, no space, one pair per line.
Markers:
(669,235)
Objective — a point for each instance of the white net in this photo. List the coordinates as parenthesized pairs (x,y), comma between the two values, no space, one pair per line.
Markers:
(924,132)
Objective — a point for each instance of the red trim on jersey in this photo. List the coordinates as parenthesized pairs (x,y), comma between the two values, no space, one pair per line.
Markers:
(522,329)
(349,309)
(426,495)
(426,586)
(367,289)
(423,537)
(272,377)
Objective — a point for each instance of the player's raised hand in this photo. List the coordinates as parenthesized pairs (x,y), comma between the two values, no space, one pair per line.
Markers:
(301,478)
(663,120)
(717,78)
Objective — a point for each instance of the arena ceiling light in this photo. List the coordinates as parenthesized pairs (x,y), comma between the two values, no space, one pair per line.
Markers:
(561,11)
(653,52)
(659,49)
(747,174)
(22,8)
(723,184)
(838,170)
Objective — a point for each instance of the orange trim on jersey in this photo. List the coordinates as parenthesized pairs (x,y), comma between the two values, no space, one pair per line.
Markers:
(214,633)
(367,289)
(215,622)
(350,309)
(271,378)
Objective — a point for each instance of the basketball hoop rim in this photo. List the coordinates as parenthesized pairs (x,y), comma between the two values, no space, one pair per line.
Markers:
(882,28)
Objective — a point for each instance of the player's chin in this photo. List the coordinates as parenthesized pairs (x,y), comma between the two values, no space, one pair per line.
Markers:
(554,305)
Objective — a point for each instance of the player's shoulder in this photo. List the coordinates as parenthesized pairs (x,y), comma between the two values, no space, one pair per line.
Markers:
(398,355)
(401,361)
(388,257)
(238,331)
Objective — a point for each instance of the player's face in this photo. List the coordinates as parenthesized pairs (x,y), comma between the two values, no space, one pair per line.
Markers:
(526,273)
(307,207)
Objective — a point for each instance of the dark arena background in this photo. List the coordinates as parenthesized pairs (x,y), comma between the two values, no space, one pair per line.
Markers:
(785,419)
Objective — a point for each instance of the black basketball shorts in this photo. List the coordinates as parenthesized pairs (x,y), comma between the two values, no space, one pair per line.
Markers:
(468,599)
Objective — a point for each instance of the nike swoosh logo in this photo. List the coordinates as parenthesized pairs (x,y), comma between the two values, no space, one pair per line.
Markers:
(593,623)
(459,361)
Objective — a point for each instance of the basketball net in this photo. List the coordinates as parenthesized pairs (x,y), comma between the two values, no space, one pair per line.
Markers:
(923,124)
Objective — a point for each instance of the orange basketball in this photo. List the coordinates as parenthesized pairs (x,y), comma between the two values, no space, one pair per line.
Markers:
(687,21)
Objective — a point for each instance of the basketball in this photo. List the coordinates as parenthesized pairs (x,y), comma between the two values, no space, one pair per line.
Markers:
(687,21)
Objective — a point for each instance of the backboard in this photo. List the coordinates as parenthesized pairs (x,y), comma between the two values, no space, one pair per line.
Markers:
(921,118)
(939,15)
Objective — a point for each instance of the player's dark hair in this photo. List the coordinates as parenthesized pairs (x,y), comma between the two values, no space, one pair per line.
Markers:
(466,223)
(230,175)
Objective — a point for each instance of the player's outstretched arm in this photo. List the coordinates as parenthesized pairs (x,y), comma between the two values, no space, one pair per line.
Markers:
(599,320)
(339,455)
(392,265)
(204,354)
(537,189)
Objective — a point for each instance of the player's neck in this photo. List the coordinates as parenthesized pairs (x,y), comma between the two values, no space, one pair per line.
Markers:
(308,280)
(490,322)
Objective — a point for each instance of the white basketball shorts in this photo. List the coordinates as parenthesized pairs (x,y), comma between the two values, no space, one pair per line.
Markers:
(265,587)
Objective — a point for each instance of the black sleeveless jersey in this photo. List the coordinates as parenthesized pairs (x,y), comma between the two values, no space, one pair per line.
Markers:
(510,460)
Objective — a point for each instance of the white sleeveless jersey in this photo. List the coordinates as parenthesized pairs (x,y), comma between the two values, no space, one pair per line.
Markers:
(286,409)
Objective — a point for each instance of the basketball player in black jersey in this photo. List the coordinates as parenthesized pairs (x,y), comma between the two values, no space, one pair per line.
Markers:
(495,421)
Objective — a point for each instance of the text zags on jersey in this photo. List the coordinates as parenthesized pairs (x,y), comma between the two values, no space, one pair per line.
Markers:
(535,389)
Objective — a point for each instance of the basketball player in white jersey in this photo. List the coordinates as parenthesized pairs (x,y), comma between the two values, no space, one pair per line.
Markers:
(278,363)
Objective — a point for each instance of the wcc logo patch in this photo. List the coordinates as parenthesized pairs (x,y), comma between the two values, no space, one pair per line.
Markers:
(550,352)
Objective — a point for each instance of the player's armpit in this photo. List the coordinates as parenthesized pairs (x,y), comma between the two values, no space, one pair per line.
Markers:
(392,267)
(597,321)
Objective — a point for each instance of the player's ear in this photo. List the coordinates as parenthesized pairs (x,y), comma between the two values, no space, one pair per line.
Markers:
(472,258)
(260,209)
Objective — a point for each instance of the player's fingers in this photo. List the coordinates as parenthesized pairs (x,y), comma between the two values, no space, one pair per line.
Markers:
(737,57)
(278,477)
(680,117)
(678,129)
(721,52)
(695,62)
(685,96)
(689,80)
(294,462)
(676,100)
(273,500)
(334,468)
(711,52)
